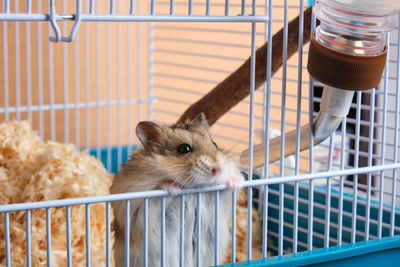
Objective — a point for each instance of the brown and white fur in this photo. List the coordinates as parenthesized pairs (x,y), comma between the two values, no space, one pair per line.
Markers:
(166,162)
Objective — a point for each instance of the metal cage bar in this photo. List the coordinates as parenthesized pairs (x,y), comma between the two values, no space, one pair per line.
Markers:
(233,235)
(68,223)
(182,232)
(216,226)
(198,230)
(369,178)
(87,224)
(383,146)
(127,231)
(28,238)
(108,234)
(298,118)
(48,235)
(283,118)
(396,140)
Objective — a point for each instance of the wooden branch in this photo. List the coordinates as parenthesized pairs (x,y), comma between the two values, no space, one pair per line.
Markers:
(236,86)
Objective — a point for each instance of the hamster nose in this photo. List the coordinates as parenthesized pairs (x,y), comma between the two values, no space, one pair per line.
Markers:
(216,171)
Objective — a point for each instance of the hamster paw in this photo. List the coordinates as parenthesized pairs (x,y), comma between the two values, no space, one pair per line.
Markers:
(171,186)
(235,182)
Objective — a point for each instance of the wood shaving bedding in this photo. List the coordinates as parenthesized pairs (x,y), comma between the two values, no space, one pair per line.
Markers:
(33,170)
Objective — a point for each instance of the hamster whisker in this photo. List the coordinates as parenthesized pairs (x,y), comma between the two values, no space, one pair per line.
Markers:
(189,180)
(201,172)
(199,176)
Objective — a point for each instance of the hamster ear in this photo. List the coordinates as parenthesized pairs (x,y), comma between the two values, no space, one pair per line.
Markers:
(200,120)
(148,133)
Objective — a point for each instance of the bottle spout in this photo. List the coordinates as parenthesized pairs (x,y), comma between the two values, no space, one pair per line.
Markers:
(334,106)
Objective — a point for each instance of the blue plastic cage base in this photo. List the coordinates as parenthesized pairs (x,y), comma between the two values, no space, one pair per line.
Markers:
(361,251)
(377,252)
(109,156)
(319,217)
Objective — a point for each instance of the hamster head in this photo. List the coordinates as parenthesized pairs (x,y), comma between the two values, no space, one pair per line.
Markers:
(186,156)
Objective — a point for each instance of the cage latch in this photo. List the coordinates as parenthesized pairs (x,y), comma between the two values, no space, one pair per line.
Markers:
(53,21)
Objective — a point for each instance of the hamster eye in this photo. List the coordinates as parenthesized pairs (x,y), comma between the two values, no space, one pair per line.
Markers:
(215,144)
(184,148)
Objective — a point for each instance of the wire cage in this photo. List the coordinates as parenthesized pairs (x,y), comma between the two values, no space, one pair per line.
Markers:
(86,72)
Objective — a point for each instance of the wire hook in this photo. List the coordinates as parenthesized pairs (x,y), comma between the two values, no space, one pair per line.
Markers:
(53,22)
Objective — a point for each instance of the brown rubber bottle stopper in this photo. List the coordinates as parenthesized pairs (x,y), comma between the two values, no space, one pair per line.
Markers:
(343,70)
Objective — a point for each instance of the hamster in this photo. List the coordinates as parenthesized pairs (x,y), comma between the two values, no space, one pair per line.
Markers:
(174,158)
